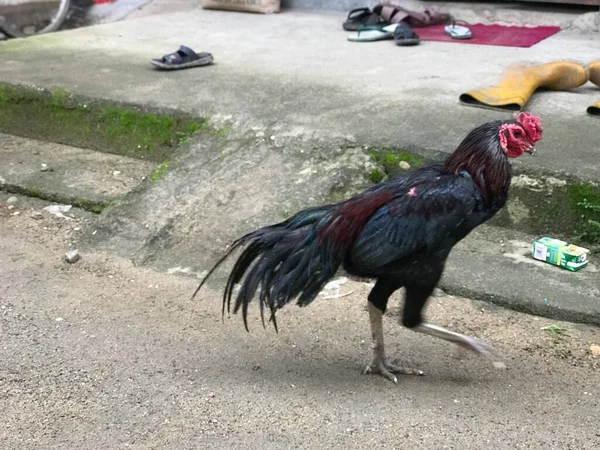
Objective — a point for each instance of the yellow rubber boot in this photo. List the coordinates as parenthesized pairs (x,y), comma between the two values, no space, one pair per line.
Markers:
(519,84)
(594,67)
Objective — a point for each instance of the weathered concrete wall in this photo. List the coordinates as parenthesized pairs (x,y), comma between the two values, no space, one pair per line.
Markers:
(223,186)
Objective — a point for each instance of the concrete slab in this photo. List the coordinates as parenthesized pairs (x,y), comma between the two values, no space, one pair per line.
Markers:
(74,175)
(296,71)
(495,265)
(302,101)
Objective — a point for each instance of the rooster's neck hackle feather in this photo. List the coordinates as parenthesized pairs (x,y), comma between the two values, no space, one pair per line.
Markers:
(480,155)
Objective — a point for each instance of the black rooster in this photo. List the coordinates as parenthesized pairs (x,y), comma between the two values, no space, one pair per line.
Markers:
(399,232)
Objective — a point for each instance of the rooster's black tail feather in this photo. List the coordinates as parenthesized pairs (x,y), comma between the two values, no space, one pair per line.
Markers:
(283,261)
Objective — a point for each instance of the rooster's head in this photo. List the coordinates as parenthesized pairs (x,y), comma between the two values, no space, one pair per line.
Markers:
(520,135)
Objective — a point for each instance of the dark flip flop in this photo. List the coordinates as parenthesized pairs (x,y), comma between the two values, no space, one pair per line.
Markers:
(183,58)
(362,16)
(405,35)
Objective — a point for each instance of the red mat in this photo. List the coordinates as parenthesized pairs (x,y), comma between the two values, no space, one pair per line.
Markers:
(491,35)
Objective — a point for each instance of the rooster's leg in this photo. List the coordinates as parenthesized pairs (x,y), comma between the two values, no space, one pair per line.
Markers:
(380,364)
(416,298)
(469,343)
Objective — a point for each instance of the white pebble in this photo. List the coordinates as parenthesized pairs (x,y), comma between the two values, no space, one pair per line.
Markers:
(72,256)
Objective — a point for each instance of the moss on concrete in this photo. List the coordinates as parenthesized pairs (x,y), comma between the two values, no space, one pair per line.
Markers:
(389,159)
(85,204)
(376,175)
(160,171)
(585,207)
(570,212)
(60,117)
(222,132)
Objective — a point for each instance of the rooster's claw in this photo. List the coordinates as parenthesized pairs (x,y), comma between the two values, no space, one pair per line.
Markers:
(389,370)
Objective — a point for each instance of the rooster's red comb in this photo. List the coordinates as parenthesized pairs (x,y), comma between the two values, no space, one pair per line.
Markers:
(532,125)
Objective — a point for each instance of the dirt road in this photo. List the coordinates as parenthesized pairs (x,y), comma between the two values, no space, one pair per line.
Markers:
(103,355)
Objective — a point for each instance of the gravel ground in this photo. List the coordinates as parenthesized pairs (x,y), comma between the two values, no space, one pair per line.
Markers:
(102,354)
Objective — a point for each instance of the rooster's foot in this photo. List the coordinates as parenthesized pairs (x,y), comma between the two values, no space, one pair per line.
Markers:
(386,368)
(483,349)
(466,342)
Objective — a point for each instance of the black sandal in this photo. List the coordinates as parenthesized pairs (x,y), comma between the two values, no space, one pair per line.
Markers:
(405,35)
(362,16)
(182,59)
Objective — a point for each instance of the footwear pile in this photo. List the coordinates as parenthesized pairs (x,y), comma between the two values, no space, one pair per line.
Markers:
(391,21)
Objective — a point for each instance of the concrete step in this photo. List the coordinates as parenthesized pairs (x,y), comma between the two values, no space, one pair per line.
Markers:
(496,265)
(61,173)
(185,221)
(365,94)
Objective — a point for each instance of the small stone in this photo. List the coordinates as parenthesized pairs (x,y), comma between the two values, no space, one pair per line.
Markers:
(44,167)
(595,350)
(439,293)
(11,200)
(404,165)
(37,215)
(16,213)
(116,173)
(72,256)
(58,210)
(9,207)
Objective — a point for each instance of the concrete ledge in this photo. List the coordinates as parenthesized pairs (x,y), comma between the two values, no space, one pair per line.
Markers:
(298,72)
(85,178)
(56,115)
(495,265)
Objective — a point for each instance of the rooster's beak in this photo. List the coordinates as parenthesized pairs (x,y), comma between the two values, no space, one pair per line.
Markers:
(531,150)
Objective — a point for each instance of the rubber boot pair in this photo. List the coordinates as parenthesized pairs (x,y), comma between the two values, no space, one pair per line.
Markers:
(594,67)
(520,82)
